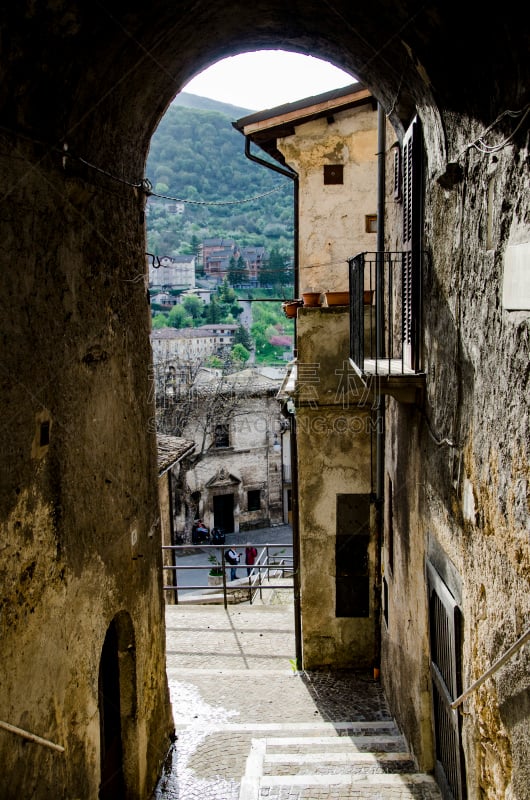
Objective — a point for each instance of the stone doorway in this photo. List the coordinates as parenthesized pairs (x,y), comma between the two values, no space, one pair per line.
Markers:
(223,512)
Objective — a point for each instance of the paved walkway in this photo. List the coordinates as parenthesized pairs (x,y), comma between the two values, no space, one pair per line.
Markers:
(249,727)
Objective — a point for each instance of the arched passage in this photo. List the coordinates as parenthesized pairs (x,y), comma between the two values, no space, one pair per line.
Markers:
(82,90)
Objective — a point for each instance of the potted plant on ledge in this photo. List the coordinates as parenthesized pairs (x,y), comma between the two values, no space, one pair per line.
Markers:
(215,576)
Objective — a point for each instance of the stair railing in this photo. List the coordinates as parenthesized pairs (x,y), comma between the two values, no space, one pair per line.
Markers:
(494,667)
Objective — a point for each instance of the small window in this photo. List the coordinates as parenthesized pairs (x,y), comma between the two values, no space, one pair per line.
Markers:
(370,223)
(45,433)
(222,435)
(397,172)
(254,500)
(333,173)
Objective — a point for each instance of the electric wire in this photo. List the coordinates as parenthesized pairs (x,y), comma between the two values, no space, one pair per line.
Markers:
(486,149)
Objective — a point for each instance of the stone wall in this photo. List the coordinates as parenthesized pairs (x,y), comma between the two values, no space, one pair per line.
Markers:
(459,467)
(78,488)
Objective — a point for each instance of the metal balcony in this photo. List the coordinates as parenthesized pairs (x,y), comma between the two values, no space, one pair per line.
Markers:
(385,322)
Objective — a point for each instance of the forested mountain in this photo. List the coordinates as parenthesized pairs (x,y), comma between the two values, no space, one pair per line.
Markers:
(197,158)
(207,104)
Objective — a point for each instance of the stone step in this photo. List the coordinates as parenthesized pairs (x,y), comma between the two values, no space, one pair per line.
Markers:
(390,743)
(370,761)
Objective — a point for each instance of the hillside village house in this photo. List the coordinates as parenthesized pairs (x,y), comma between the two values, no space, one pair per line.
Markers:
(83,664)
(236,477)
(336,527)
(217,254)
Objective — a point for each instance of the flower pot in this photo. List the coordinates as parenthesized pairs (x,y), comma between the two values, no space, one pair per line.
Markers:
(290,308)
(337,298)
(368,297)
(311,298)
(215,580)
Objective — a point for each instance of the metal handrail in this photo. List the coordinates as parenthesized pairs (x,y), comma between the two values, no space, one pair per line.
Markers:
(31,737)
(494,667)
(264,562)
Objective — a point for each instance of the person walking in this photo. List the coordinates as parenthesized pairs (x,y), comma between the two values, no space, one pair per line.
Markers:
(233,558)
(250,557)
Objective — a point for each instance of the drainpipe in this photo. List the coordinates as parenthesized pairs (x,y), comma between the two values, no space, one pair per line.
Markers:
(290,173)
(381,147)
(293,175)
(380,401)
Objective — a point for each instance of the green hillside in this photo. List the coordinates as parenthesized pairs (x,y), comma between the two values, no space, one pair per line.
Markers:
(207,104)
(198,158)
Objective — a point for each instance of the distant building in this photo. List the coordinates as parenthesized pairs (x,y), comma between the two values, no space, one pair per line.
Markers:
(191,344)
(237,480)
(254,258)
(217,254)
(172,272)
(204,294)
(164,300)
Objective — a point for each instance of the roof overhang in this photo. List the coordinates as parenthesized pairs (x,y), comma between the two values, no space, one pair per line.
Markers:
(264,128)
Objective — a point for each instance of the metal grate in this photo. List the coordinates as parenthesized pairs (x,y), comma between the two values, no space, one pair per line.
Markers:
(385,307)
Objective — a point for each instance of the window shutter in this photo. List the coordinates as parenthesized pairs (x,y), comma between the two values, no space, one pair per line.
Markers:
(412,225)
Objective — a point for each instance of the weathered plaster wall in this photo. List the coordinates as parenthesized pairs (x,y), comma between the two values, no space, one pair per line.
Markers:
(460,464)
(333,444)
(80,538)
(332,217)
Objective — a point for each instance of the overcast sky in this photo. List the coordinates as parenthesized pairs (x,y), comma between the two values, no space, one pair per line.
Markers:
(268,78)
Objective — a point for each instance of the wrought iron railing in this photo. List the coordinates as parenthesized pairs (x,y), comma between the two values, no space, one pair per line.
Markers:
(274,560)
(385,311)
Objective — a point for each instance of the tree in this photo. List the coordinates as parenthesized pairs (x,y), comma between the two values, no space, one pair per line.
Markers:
(193,409)
(242,336)
(178,317)
(212,313)
(240,353)
(194,306)
(237,271)
(159,321)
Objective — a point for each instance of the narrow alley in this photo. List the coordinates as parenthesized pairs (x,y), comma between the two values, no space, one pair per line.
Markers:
(249,726)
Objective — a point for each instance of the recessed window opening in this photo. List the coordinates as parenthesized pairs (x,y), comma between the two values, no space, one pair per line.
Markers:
(370,223)
(333,173)
(44,433)
(254,499)
(222,435)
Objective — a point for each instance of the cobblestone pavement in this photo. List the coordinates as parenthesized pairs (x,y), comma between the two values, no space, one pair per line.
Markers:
(250,727)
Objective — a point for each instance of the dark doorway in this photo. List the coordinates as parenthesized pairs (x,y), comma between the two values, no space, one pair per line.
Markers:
(112,785)
(223,512)
(445,624)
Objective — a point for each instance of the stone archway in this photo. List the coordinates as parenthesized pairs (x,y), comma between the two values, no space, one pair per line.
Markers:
(82,91)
